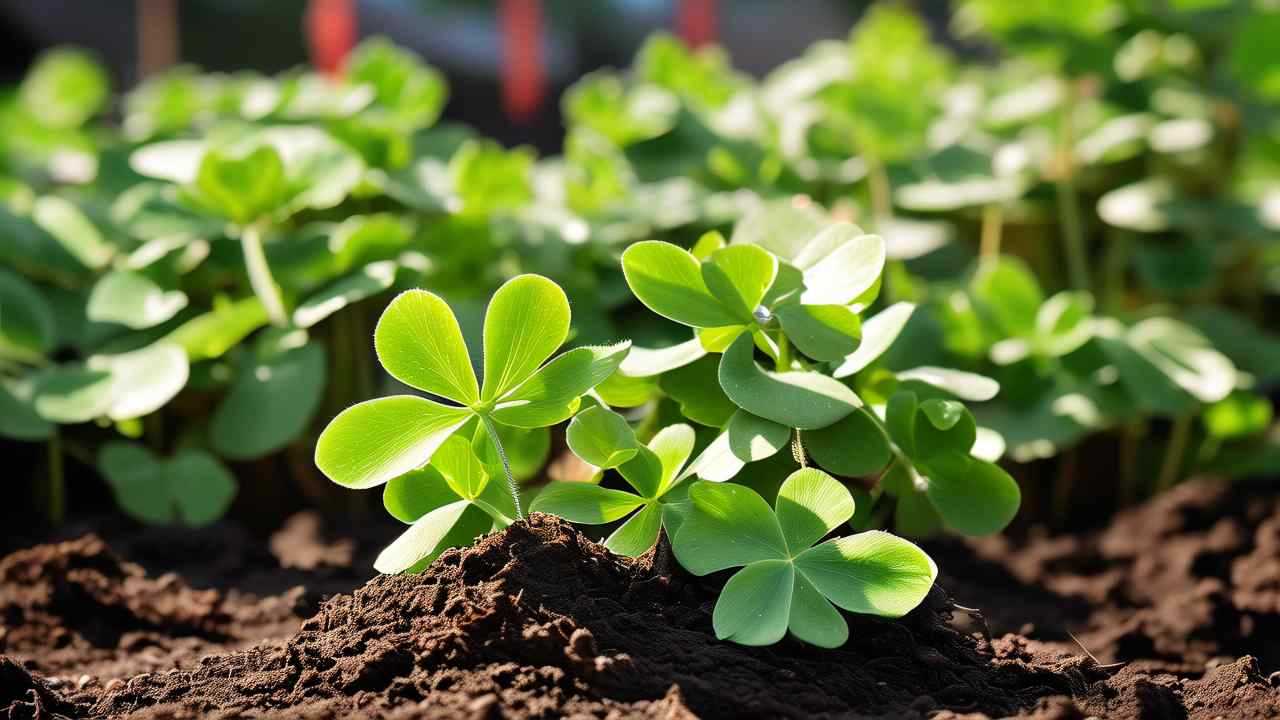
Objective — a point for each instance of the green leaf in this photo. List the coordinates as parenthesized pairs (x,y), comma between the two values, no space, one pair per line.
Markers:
(811,504)
(813,618)
(412,90)
(419,342)
(853,447)
(527,450)
(805,400)
(65,88)
(754,607)
(646,362)
(729,525)
(133,300)
(974,497)
(638,533)
(696,387)
(964,385)
(273,398)
(1152,390)
(585,503)
(601,438)
(461,468)
(672,446)
(878,333)
(142,381)
(27,329)
(553,393)
(826,333)
(372,442)
(779,227)
(18,417)
(527,319)
(844,274)
(942,427)
(490,179)
(240,188)
(69,226)
(739,277)
(368,238)
(1185,356)
(191,488)
(416,493)
(73,394)
(644,473)
(872,572)
(668,280)
(212,334)
(452,525)
(365,282)
(1240,414)
(1007,291)
(746,439)
(900,420)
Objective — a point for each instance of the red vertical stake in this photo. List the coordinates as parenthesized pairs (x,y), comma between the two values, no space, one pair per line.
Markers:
(524,76)
(331,33)
(696,22)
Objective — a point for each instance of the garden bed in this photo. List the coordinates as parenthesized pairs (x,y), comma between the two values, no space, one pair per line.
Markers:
(1178,603)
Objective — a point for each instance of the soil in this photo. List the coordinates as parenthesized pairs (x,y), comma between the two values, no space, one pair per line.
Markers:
(1177,603)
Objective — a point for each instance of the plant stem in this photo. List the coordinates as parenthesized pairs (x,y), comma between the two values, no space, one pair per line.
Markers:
(879,189)
(797,450)
(1173,454)
(57,500)
(1069,200)
(1115,264)
(784,354)
(506,465)
(1130,437)
(1065,487)
(260,279)
(992,230)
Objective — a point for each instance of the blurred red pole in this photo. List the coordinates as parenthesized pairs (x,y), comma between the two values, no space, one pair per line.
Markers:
(696,22)
(524,77)
(331,33)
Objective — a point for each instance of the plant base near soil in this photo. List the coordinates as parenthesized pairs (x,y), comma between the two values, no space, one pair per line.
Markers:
(538,621)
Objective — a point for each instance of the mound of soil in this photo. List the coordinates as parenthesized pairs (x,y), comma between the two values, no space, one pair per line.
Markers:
(540,622)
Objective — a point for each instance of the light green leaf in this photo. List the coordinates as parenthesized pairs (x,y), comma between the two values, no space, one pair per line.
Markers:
(974,497)
(746,438)
(696,387)
(1152,390)
(754,607)
(69,226)
(846,273)
(527,319)
(553,393)
(364,283)
(1007,291)
(1186,357)
(370,443)
(601,437)
(872,572)
(668,280)
(419,342)
(638,533)
(212,334)
(461,468)
(133,300)
(826,333)
(672,445)
(729,525)
(813,618)
(144,380)
(273,398)
(73,394)
(853,447)
(241,188)
(779,227)
(65,88)
(416,493)
(964,385)
(942,427)
(585,503)
(805,400)
(646,362)
(900,420)
(878,333)
(1240,414)
(427,536)
(644,473)
(811,504)
(739,277)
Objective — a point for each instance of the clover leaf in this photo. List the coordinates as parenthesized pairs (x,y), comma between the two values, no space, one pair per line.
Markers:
(787,583)
(604,439)
(448,503)
(191,488)
(419,343)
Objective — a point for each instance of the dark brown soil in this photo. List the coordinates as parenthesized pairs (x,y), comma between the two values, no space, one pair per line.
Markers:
(539,621)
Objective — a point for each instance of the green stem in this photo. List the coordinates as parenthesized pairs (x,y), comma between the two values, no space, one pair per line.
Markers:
(784,354)
(992,231)
(1115,265)
(797,450)
(506,465)
(260,279)
(880,190)
(1069,202)
(57,500)
(1174,453)
(1130,438)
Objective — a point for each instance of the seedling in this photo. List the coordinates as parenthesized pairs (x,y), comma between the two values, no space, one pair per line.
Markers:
(787,583)
(419,343)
